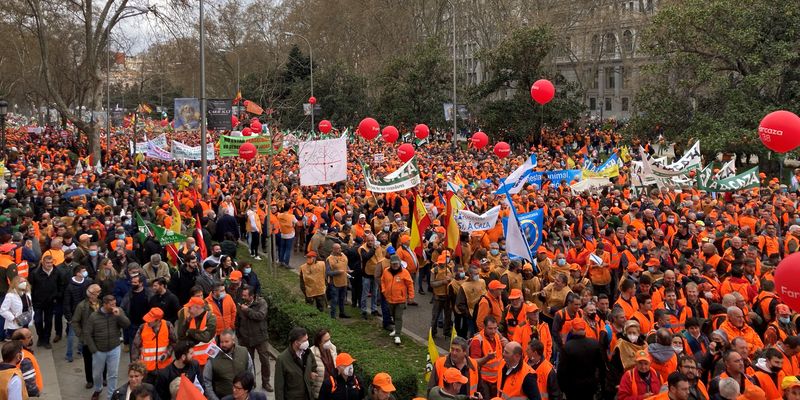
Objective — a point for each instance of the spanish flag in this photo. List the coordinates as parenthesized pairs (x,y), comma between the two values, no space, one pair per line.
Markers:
(454,204)
(419,223)
(433,355)
(144,108)
(238,97)
(253,108)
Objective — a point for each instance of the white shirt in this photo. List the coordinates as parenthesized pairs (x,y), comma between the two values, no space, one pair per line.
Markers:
(15,388)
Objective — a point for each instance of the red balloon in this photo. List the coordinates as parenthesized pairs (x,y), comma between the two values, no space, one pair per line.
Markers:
(502,149)
(542,91)
(234,121)
(421,131)
(780,131)
(369,128)
(325,126)
(312,100)
(255,126)
(787,281)
(246,102)
(247,151)
(164,122)
(247,132)
(479,140)
(405,152)
(390,134)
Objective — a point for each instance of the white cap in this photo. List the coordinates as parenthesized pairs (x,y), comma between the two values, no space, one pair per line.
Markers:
(362,216)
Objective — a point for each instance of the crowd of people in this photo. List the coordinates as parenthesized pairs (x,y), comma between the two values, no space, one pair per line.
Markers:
(664,294)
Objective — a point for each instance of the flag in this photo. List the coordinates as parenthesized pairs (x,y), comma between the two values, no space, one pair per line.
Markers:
(454,204)
(453,334)
(323,161)
(165,236)
(144,108)
(238,97)
(523,232)
(253,108)
(625,154)
(176,220)
(98,169)
(144,229)
(419,223)
(201,243)
(433,355)
(188,391)
(172,255)
(79,168)
(516,176)
(583,150)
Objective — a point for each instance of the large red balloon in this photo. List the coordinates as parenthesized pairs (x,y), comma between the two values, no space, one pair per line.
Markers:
(234,121)
(405,152)
(312,100)
(255,126)
(390,134)
(247,132)
(325,126)
(542,91)
(502,149)
(247,151)
(369,128)
(421,131)
(780,131)
(164,122)
(479,140)
(787,281)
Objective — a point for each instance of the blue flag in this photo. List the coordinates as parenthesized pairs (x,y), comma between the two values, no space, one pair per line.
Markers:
(523,233)
(518,175)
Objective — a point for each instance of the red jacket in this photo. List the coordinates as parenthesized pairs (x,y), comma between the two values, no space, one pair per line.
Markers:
(633,387)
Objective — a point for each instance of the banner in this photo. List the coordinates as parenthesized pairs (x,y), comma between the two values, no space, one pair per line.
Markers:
(468,221)
(323,161)
(229,145)
(746,180)
(728,170)
(218,114)
(536,177)
(181,151)
(689,159)
(187,114)
(608,172)
(405,177)
(158,153)
(377,157)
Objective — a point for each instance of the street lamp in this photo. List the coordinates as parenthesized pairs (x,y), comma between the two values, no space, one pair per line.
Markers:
(203,116)
(311,65)
(455,105)
(3,112)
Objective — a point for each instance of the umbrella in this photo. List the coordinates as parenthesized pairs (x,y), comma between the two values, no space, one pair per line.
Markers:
(76,193)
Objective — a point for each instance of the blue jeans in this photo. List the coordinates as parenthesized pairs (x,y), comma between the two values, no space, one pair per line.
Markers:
(369,285)
(70,340)
(338,295)
(284,250)
(108,360)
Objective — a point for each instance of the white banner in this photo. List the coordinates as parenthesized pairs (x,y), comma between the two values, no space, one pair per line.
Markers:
(157,152)
(404,178)
(377,157)
(141,147)
(323,161)
(182,151)
(468,221)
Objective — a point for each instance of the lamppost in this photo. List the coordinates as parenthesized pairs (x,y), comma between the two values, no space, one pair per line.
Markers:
(203,133)
(3,112)
(311,65)
(455,105)
(601,103)
(108,95)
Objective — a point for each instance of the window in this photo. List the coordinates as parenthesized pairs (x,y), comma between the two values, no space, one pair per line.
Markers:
(624,104)
(592,103)
(608,103)
(626,77)
(611,78)
(595,45)
(610,44)
(596,79)
(627,42)
(630,6)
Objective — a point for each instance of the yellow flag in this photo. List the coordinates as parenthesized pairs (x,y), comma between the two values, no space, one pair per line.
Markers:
(433,355)
(176,219)
(608,172)
(624,154)
(453,335)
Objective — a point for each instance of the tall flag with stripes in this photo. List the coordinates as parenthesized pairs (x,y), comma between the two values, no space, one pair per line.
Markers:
(198,236)
(452,233)
(419,223)
(518,177)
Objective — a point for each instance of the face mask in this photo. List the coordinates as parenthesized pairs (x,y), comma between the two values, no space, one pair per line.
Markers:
(494,252)
(460,275)
(671,220)
(121,237)
(476,277)
(304,346)
(71,214)
(247,271)
(562,262)
(85,273)
(785,320)
(386,228)
(633,338)
(221,296)
(652,270)
(348,370)
(22,285)
(327,345)
(678,349)
(93,253)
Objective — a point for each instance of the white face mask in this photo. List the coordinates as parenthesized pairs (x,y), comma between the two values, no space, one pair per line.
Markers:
(327,345)
(632,337)
(22,285)
(678,349)
(348,370)
(304,346)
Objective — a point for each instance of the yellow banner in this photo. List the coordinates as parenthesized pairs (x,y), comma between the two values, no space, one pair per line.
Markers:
(611,172)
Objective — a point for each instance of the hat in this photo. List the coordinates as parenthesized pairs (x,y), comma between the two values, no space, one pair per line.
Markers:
(196,301)
(531,308)
(782,309)
(344,359)
(3,218)
(323,226)
(236,276)
(405,239)
(84,237)
(574,267)
(641,355)
(578,324)
(333,230)
(362,216)
(154,314)
(790,382)
(634,267)
(542,250)
(442,259)
(527,267)
(311,254)
(653,262)
(436,222)
(700,223)
(515,294)
(484,260)
(453,375)
(383,381)
(7,247)
(493,285)
(379,210)
(630,323)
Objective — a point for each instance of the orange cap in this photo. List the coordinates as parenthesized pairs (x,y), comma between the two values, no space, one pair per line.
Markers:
(311,254)
(196,301)
(642,355)
(383,381)
(578,324)
(154,314)
(344,359)
(574,267)
(653,262)
(496,285)
(453,375)
(442,259)
(515,294)
(236,276)
(531,307)
(405,239)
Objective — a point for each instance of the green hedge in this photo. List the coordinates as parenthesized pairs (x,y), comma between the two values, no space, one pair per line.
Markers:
(288,310)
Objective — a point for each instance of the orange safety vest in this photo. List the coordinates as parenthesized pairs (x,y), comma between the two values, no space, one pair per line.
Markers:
(762,303)
(154,347)
(491,369)
(36,370)
(542,373)
(5,378)
(634,386)
(22,269)
(628,307)
(513,320)
(473,373)
(769,387)
(199,351)
(510,388)
(226,318)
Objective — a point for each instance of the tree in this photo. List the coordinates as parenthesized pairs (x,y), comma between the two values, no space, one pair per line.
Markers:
(721,67)
(504,101)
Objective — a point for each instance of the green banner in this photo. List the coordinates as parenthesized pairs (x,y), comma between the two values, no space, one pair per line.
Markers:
(229,145)
(142,225)
(746,180)
(405,177)
(166,236)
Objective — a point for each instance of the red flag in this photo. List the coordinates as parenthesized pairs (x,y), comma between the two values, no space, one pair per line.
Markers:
(583,150)
(198,236)
(188,391)
(172,254)
(420,221)
(253,108)
(452,233)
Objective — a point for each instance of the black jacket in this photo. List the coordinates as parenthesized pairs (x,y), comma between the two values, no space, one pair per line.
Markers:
(181,285)
(582,367)
(74,293)
(164,376)
(168,303)
(46,289)
(225,224)
(120,393)
(350,389)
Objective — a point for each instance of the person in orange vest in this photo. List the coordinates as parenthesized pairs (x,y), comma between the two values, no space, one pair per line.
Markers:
(223,307)
(781,328)
(486,347)
(154,341)
(344,384)
(627,298)
(688,366)
(517,380)
(735,326)
(677,388)
(769,373)
(514,314)
(641,381)
(490,304)
(452,383)
(599,264)
(532,329)
(460,361)
(562,321)
(198,327)
(11,381)
(546,377)
(29,365)
(734,368)
(397,289)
